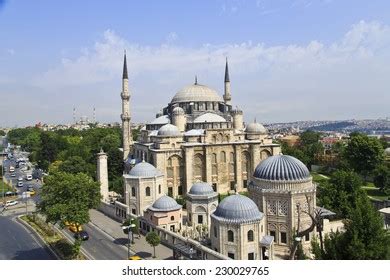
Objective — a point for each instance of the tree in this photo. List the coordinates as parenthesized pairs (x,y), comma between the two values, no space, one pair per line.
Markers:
(154,240)
(363,153)
(74,165)
(2,132)
(341,192)
(382,178)
(68,197)
(364,236)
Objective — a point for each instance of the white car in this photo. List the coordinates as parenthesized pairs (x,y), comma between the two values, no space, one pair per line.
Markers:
(11,203)
(29,177)
(13,175)
(20,184)
(20,179)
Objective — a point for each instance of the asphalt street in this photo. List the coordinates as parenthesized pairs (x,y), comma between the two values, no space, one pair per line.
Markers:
(18,243)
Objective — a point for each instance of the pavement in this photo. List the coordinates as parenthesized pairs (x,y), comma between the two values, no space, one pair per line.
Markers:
(19,243)
(140,246)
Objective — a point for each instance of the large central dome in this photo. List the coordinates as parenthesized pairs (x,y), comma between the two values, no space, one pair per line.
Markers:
(195,93)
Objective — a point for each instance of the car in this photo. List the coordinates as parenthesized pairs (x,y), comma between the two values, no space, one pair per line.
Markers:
(135,258)
(10,193)
(13,175)
(11,203)
(29,177)
(20,184)
(83,235)
(11,169)
(20,179)
(75,227)
(32,192)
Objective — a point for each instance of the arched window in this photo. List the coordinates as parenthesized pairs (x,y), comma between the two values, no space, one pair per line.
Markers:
(199,173)
(172,218)
(214,158)
(223,157)
(250,236)
(147,191)
(215,232)
(159,188)
(230,236)
(132,191)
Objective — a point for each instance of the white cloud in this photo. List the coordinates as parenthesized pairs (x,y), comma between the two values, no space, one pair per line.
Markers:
(344,79)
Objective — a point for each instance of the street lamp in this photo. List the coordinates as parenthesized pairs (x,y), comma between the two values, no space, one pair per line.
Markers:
(128,228)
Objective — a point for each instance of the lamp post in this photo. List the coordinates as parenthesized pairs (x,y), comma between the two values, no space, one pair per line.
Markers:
(129,227)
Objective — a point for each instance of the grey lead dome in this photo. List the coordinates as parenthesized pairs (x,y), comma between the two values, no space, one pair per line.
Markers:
(168,130)
(201,188)
(144,169)
(237,209)
(195,93)
(282,168)
(164,204)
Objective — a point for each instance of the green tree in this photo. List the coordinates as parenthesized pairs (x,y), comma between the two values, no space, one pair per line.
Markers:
(382,178)
(68,197)
(154,240)
(364,237)
(363,153)
(74,165)
(341,192)
(2,132)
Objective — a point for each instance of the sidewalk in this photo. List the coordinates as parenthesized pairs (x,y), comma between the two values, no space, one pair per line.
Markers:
(141,247)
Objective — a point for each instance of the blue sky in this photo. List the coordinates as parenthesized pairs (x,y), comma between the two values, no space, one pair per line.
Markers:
(289,60)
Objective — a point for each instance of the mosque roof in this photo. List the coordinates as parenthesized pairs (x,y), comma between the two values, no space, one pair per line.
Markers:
(282,168)
(195,93)
(255,127)
(144,169)
(165,204)
(164,119)
(237,209)
(168,130)
(209,117)
(201,188)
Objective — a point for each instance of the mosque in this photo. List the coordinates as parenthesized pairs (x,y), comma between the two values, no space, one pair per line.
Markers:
(198,148)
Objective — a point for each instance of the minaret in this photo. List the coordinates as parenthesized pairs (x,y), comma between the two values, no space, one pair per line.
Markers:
(125,95)
(227,97)
(102,175)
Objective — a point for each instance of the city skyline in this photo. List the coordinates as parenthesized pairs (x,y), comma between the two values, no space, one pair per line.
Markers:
(329,71)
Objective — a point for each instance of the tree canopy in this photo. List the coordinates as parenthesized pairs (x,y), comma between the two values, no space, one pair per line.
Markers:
(67,197)
(363,153)
(154,240)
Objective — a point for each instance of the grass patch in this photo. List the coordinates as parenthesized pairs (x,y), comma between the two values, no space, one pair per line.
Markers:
(4,187)
(57,242)
(374,192)
(319,178)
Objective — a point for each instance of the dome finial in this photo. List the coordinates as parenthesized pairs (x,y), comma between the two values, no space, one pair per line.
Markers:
(196,79)
(255,121)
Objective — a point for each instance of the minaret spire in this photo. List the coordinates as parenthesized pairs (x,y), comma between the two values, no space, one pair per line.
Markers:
(227,97)
(227,79)
(196,79)
(125,75)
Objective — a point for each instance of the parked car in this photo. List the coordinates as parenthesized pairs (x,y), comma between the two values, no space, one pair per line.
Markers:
(32,192)
(10,193)
(83,235)
(11,169)
(20,179)
(135,258)
(20,184)
(13,175)
(29,177)
(75,228)
(11,203)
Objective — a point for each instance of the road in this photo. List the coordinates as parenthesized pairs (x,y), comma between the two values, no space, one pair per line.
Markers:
(99,246)
(17,243)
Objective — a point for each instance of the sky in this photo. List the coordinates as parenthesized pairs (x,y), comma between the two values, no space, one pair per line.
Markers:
(288,60)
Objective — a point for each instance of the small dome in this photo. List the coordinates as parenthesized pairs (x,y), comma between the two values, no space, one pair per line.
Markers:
(209,118)
(237,209)
(194,132)
(144,169)
(178,111)
(201,188)
(165,203)
(195,93)
(256,128)
(281,168)
(387,151)
(168,130)
(164,119)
